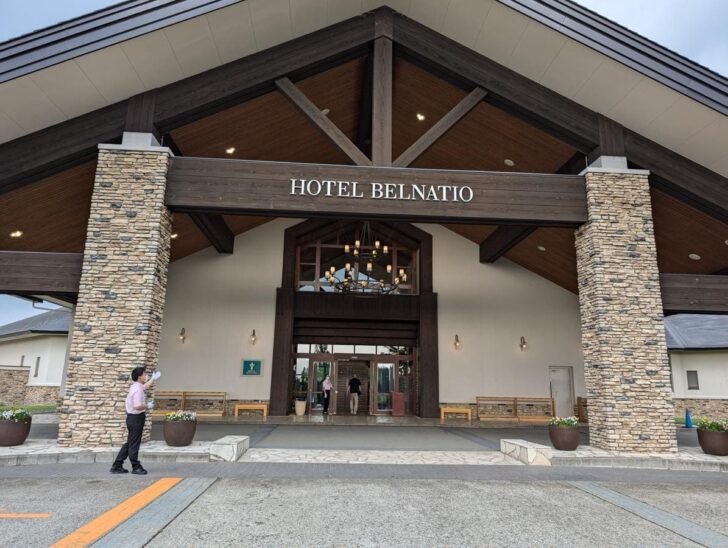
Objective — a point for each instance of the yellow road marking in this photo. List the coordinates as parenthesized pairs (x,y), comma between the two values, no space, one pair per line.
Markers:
(98,527)
(23,516)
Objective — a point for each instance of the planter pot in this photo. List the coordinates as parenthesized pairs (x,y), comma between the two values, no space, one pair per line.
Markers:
(179,433)
(564,438)
(713,443)
(14,433)
(300,408)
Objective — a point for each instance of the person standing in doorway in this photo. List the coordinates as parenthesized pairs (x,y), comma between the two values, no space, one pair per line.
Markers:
(136,407)
(327,386)
(354,392)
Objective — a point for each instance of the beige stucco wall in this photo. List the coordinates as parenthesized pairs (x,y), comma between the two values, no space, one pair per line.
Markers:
(220,299)
(490,306)
(712,368)
(50,348)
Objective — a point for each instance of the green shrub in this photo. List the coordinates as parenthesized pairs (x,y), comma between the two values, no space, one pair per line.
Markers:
(15,414)
(181,416)
(711,425)
(564,421)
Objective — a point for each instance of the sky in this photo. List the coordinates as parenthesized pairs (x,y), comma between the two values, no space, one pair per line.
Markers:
(693,28)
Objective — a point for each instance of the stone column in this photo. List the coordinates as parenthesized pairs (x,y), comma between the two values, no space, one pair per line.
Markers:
(626,369)
(118,316)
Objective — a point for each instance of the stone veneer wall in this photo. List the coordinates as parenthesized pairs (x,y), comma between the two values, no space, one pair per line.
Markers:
(627,372)
(41,394)
(121,297)
(716,408)
(12,385)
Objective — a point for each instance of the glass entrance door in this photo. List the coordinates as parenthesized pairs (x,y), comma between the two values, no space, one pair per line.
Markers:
(384,387)
(320,370)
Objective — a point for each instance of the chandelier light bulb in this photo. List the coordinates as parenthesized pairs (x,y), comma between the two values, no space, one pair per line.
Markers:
(357,244)
(396,280)
(385,249)
(348,267)
(377,244)
(356,252)
(332,269)
(346,248)
(389,269)
(369,267)
(401,272)
(404,277)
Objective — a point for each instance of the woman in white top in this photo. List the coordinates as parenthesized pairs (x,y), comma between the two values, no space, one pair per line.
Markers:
(327,386)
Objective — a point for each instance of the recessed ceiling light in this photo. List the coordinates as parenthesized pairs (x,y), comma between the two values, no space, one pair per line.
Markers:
(325,111)
(174,236)
(509,162)
(420,117)
(16,233)
(540,248)
(694,256)
(230,150)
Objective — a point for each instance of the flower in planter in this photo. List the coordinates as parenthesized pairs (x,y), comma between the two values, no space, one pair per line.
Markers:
(564,421)
(15,415)
(181,416)
(712,425)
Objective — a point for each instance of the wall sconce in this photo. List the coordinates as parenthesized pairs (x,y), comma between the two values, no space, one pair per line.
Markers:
(523,344)
(253,337)
(182,335)
(456,344)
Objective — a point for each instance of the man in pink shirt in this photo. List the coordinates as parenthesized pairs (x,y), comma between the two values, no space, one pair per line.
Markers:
(136,407)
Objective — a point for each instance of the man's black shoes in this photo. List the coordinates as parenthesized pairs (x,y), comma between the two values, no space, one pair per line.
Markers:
(139,470)
(119,470)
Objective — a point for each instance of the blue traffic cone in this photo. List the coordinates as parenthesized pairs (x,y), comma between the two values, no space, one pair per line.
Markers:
(688,420)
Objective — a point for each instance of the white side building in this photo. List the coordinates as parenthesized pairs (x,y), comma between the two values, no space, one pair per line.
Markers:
(32,355)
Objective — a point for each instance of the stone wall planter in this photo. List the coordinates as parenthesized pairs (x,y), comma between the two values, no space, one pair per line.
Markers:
(713,443)
(564,438)
(179,433)
(14,432)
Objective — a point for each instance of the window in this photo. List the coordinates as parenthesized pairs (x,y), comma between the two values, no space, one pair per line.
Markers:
(693,380)
(37,366)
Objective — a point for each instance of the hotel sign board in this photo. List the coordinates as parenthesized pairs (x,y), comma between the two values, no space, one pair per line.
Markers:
(381,191)
(287,189)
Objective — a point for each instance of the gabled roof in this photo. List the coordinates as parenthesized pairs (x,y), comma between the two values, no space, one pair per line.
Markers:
(696,331)
(52,322)
(96,30)
(629,48)
(126,20)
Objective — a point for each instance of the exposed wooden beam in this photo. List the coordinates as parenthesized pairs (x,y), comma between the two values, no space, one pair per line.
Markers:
(691,293)
(364,130)
(28,273)
(140,112)
(611,137)
(322,122)
(216,230)
(502,240)
(442,126)
(382,103)
(687,181)
(265,188)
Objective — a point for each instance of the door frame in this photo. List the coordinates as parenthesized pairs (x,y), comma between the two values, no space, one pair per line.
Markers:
(570,370)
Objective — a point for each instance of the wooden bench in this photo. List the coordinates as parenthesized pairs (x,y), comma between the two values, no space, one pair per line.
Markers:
(186,395)
(455,410)
(518,409)
(253,407)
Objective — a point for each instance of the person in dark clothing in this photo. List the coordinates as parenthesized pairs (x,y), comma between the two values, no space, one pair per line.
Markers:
(136,408)
(354,393)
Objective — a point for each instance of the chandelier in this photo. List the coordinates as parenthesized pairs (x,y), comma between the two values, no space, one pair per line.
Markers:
(362,258)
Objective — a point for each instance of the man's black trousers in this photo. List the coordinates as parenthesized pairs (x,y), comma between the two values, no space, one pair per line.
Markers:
(135,426)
